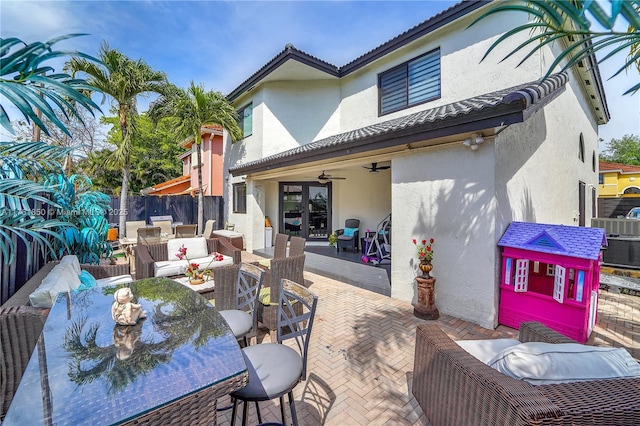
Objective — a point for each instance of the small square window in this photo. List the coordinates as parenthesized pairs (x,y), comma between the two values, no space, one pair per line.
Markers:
(239,197)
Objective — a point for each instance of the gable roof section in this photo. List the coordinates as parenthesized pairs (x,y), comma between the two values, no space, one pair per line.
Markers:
(507,106)
(607,167)
(574,241)
(291,53)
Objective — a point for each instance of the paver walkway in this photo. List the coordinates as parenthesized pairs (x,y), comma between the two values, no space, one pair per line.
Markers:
(361,354)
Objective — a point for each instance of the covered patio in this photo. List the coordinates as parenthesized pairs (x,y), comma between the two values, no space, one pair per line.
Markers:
(362,351)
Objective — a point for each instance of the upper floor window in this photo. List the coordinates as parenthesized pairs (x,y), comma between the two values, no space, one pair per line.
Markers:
(411,83)
(245,120)
(581,148)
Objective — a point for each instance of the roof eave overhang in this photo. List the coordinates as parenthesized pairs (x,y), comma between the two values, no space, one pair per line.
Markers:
(515,110)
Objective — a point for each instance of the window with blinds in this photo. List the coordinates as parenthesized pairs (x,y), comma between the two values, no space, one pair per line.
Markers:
(411,83)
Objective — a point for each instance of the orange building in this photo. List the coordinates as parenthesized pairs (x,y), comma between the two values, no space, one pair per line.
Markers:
(212,162)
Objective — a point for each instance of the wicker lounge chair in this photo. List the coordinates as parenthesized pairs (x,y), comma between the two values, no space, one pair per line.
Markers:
(146,255)
(454,388)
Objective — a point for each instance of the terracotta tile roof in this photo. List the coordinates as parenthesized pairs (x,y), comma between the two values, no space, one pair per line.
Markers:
(606,166)
(514,100)
(574,241)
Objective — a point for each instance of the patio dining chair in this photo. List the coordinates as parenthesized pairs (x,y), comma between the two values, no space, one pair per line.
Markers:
(149,235)
(279,250)
(165,226)
(208,228)
(242,319)
(274,368)
(131,228)
(186,231)
(296,246)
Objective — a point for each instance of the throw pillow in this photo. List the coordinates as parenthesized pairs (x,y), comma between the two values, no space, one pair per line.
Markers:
(87,281)
(61,278)
(548,363)
(196,247)
(350,232)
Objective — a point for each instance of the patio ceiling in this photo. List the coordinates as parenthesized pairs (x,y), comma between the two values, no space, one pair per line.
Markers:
(435,126)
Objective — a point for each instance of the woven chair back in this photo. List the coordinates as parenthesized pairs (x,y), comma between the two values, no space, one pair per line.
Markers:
(149,235)
(280,248)
(296,246)
(186,231)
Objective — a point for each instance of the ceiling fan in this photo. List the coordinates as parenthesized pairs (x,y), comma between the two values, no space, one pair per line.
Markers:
(374,168)
(324,178)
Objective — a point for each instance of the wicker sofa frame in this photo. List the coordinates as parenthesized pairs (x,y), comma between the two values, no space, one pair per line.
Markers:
(21,325)
(454,388)
(147,254)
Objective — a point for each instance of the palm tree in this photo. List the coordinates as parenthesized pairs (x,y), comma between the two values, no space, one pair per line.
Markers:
(33,88)
(193,108)
(123,79)
(567,21)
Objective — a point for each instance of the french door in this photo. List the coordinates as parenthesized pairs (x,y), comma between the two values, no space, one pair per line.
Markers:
(305,209)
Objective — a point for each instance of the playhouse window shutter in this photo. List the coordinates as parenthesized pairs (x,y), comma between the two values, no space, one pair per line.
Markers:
(522,275)
(558,283)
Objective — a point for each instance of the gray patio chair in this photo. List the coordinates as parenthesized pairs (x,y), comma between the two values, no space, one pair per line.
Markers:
(243,319)
(349,236)
(274,368)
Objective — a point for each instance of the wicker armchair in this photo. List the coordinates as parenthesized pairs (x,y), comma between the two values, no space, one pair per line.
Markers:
(454,388)
(291,268)
(146,255)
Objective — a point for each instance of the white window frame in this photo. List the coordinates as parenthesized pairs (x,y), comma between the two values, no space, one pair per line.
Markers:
(521,279)
(559,282)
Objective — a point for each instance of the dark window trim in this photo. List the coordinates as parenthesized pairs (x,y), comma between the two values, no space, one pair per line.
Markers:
(235,200)
(406,66)
(581,148)
(241,118)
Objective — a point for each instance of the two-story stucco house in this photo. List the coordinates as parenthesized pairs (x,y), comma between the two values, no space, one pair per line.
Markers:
(472,146)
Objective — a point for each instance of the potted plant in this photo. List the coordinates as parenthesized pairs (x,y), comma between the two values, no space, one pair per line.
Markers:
(333,239)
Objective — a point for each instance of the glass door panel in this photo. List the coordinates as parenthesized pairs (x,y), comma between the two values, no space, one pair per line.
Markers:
(318,211)
(305,209)
(292,209)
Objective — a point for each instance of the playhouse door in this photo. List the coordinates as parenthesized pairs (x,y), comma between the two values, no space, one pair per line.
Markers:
(593,309)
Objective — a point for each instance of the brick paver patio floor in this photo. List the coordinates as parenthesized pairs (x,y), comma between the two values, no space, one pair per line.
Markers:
(361,355)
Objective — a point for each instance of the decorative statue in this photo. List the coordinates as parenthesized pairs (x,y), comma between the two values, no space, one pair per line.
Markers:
(123,311)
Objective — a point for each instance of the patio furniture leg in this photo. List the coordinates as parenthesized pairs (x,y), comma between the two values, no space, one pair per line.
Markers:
(233,412)
(245,417)
(292,406)
(282,408)
(258,412)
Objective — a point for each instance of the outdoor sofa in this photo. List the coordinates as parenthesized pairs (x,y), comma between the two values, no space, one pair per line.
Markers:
(21,325)
(455,388)
(147,255)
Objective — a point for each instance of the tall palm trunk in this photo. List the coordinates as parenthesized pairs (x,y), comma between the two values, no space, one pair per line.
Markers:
(124,199)
(200,193)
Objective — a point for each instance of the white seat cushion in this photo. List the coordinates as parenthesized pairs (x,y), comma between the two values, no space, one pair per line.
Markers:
(485,349)
(166,268)
(119,279)
(196,247)
(72,260)
(62,277)
(209,263)
(548,363)
(240,322)
(274,369)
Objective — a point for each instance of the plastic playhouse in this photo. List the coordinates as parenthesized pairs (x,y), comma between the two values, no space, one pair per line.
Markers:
(551,274)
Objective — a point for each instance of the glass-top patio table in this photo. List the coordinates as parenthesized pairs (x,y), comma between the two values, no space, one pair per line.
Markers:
(167,369)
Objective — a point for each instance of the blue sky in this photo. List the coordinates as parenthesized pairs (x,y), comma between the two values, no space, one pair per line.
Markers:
(220,44)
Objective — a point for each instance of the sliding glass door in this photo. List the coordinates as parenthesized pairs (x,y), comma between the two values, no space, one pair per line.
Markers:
(305,209)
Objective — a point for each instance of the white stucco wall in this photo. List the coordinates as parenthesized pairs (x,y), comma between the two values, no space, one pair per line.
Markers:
(448,194)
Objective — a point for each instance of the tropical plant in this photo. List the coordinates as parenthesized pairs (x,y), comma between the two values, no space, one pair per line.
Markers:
(191,109)
(25,84)
(84,211)
(123,79)
(26,205)
(571,22)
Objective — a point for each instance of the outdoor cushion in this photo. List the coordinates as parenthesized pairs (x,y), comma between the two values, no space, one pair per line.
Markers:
(196,247)
(240,322)
(349,232)
(208,262)
(273,369)
(62,277)
(166,268)
(118,279)
(72,260)
(485,349)
(87,281)
(265,297)
(548,363)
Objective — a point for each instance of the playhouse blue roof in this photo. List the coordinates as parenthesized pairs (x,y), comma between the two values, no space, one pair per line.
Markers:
(574,241)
